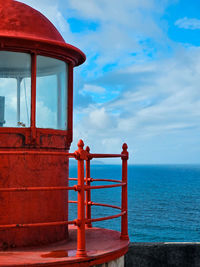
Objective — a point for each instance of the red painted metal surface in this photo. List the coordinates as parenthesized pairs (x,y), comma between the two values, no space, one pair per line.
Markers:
(21,23)
(83,221)
(34,167)
(81,252)
(124,221)
(88,192)
(33,97)
(32,225)
(70,102)
(108,217)
(18,19)
(64,253)
(23,29)
(103,186)
(28,189)
(29,205)
(33,160)
(104,205)
(84,155)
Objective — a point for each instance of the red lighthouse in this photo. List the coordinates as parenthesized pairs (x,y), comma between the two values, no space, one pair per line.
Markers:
(36,122)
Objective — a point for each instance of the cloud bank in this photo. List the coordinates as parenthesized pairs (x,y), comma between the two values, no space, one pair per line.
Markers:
(137,85)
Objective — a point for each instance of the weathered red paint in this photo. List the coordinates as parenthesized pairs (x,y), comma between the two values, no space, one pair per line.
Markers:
(64,253)
(81,252)
(33,96)
(124,221)
(70,102)
(88,192)
(34,167)
(81,248)
(24,29)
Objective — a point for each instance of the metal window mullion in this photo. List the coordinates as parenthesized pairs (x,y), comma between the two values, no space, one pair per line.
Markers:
(33,94)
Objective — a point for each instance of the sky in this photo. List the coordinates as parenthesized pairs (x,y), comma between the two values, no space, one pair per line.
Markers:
(140,82)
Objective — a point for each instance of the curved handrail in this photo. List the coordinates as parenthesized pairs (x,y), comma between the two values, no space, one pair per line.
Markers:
(105,180)
(106,218)
(33,152)
(97,180)
(87,187)
(83,189)
(30,225)
(96,204)
(104,205)
(26,189)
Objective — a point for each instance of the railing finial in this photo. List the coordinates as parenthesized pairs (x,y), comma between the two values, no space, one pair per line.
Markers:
(124,147)
(125,153)
(81,154)
(80,144)
(87,149)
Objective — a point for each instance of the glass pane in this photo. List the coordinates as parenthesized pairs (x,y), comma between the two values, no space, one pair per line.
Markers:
(15,89)
(51,93)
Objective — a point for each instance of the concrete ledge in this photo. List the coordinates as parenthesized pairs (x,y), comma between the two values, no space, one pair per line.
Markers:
(163,254)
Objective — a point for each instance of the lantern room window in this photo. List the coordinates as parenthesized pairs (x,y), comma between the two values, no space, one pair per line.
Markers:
(51,93)
(15,89)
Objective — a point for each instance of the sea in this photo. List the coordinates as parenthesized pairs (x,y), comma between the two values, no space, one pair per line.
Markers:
(163,201)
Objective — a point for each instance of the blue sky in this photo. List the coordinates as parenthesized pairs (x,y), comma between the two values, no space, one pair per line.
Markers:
(141,81)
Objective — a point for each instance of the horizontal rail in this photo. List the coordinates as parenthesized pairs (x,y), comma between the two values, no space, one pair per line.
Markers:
(106,218)
(96,156)
(25,189)
(55,153)
(97,204)
(105,205)
(29,225)
(105,180)
(97,180)
(72,202)
(103,186)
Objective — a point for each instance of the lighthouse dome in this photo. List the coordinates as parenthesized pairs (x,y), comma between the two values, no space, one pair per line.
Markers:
(20,20)
(23,27)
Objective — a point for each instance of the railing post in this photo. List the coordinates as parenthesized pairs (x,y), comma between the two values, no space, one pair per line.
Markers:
(124,219)
(88,192)
(80,156)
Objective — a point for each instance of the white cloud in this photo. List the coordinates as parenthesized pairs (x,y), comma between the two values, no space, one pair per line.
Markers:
(164,104)
(158,105)
(186,23)
(98,118)
(93,89)
(45,117)
(125,28)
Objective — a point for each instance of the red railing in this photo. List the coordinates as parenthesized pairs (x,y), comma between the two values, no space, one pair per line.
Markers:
(83,187)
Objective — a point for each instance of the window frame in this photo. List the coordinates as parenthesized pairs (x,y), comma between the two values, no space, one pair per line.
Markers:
(69,106)
(66,92)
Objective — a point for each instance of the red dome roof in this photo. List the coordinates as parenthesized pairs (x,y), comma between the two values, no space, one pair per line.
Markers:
(24,28)
(20,20)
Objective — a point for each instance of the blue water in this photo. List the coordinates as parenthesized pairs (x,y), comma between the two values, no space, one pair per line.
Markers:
(164,201)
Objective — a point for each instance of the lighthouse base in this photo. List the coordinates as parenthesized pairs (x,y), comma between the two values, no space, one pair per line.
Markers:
(102,246)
